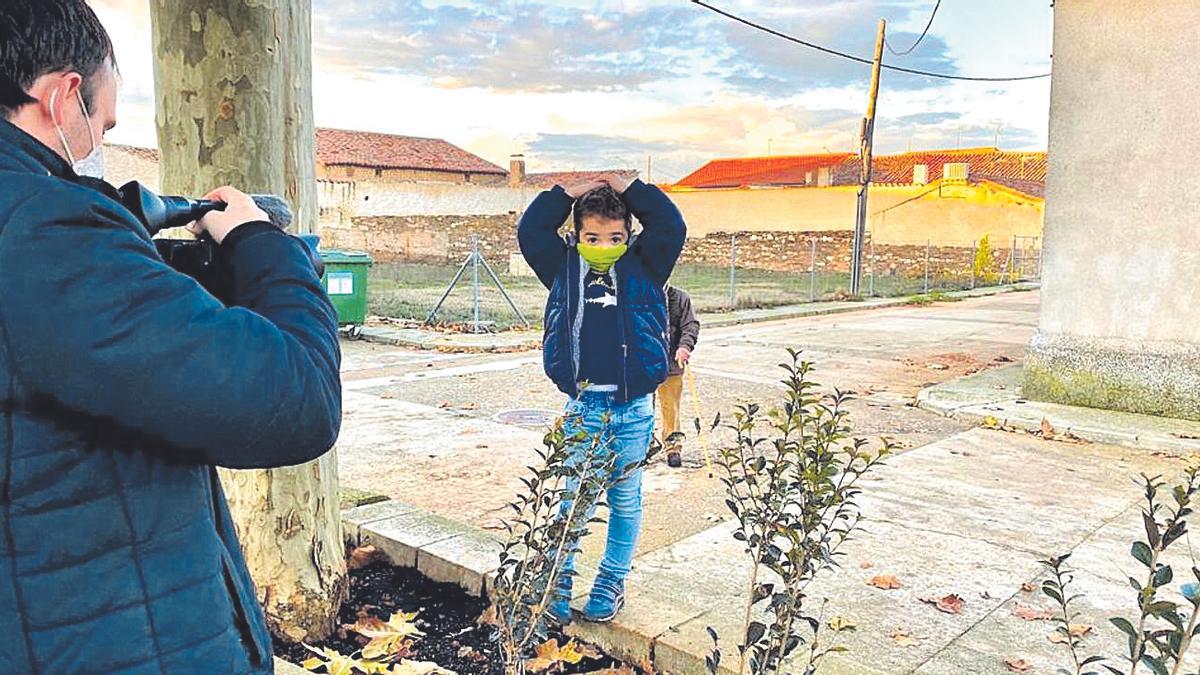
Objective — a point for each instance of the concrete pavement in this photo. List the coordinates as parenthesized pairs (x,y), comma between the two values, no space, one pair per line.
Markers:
(965,511)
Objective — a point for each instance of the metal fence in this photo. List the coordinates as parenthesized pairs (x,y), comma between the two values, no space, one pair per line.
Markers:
(497,291)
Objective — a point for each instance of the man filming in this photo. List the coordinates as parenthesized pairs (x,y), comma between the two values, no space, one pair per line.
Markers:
(125,383)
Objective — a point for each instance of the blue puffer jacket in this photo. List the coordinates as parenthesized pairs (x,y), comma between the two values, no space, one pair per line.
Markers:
(639,277)
(124,384)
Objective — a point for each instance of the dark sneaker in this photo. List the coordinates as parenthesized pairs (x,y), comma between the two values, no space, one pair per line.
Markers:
(674,459)
(607,598)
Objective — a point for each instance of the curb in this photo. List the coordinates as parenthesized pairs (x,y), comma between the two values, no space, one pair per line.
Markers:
(1011,412)
(430,340)
(451,552)
(648,634)
(438,547)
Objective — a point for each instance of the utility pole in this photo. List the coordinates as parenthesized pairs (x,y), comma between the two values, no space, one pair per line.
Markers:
(868,135)
(649,169)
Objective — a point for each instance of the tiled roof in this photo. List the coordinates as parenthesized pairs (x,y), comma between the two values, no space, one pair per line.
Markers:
(984,164)
(148,154)
(337,147)
(1021,171)
(545,181)
(782,170)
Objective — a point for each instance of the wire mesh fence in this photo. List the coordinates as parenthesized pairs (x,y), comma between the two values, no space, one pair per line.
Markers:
(737,271)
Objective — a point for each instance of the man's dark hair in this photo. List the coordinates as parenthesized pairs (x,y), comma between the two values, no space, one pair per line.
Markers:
(605,203)
(47,36)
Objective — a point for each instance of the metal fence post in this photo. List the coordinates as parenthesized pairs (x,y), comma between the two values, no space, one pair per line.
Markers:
(475,283)
(927,245)
(971,264)
(732,271)
(871,292)
(812,272)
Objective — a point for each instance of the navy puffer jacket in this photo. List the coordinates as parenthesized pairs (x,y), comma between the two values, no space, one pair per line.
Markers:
(639,277)
(124,383)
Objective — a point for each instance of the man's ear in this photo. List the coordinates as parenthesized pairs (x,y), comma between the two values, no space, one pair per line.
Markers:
(55,92)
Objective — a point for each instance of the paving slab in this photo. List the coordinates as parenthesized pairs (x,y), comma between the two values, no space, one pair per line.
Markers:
(1014,490)
(353,519)
(401,537)
(971,515)
(466,560)
(454,464)
(994,396)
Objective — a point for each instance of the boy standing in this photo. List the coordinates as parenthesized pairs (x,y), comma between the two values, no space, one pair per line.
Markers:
(605,343)
(684,332)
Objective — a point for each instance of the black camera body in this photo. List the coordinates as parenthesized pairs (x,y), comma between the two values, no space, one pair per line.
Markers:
(200,257)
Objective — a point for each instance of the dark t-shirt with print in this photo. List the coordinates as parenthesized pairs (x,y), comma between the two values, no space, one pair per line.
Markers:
(600,339)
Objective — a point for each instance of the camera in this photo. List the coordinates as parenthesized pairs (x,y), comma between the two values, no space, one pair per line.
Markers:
(200,257)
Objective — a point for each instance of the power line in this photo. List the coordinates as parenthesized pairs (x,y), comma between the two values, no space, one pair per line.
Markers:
(859,59)
(923,33)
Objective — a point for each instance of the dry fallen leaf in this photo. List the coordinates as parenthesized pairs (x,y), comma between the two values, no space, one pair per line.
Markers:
(1028,587)
(419,668)
(1077,630)
(390,639)
(1031,614)
(488,618)
(950,604)
(840,623)
(886,582)
(866,565)
(363,556)
(333,661)
(549,654)
(991,422)
(1017,665)
(1047,429)
(623,670)
(904,638)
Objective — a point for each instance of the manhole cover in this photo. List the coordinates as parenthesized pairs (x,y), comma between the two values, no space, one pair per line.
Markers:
(527,417)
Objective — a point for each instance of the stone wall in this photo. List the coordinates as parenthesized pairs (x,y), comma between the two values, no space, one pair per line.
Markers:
(432,239)
(793,252)
(447,239)
(342,199)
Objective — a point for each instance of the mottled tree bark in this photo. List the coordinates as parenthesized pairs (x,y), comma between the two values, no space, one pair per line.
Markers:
(234,107)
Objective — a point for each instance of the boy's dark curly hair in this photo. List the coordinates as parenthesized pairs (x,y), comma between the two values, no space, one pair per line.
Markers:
(605,203)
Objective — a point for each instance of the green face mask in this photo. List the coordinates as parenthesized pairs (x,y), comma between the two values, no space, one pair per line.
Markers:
(601,258)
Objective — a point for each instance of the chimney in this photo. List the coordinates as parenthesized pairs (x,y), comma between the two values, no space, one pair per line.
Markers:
(516,170)
(920,174)
(956,171)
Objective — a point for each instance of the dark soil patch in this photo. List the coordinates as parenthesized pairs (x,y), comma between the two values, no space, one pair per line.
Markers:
(447,614)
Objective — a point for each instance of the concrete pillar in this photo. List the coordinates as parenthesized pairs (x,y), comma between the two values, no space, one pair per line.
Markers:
(1120,325)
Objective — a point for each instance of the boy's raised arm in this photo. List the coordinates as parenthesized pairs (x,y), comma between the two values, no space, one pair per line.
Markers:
(663,229)
(537,233)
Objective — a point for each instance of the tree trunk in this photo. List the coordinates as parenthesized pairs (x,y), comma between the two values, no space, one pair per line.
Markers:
(299,129)
(234,107)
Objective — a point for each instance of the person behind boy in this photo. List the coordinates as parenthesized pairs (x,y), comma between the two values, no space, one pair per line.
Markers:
(684,331)
(605,343)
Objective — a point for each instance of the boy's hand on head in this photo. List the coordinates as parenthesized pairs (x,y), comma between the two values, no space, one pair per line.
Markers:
(616,182)
(580,189)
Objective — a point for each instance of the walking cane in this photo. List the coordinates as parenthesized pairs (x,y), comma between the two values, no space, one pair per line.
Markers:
(691,381)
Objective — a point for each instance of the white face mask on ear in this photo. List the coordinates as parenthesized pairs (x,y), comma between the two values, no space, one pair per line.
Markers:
(93,164)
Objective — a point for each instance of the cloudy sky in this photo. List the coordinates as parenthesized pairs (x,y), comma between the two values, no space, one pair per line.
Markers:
(588,84)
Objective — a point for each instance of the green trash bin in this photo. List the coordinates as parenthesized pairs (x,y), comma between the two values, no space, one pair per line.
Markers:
(345,281)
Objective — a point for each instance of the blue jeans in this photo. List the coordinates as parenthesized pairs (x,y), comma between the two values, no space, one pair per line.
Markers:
(627,433)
